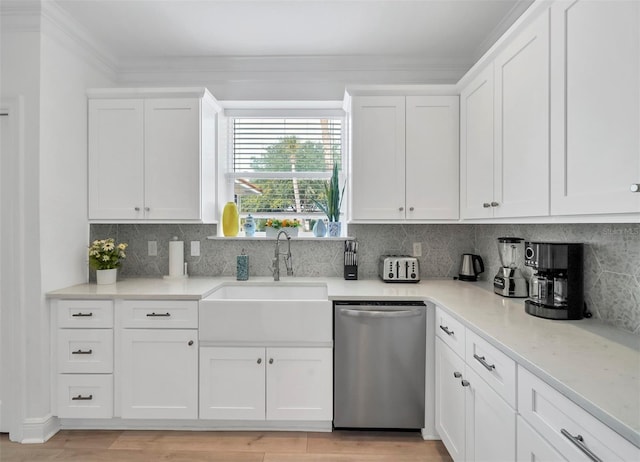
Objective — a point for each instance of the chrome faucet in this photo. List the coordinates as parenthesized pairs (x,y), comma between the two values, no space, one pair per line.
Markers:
(275,269)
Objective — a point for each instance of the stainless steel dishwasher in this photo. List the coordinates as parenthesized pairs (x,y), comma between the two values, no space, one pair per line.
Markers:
(379,365)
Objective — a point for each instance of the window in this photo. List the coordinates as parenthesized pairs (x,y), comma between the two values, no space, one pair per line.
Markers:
(279,165)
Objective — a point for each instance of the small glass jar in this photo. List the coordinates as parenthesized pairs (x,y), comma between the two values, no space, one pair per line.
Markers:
(249,226)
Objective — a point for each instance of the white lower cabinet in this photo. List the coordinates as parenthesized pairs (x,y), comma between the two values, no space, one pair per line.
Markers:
(475,395)
(159,374)
(158,354)
(574,433)
(249,383)
(85,396)
(82,350)
(490,422)
(532,447)
(450,400)
(232,383)
(474,422)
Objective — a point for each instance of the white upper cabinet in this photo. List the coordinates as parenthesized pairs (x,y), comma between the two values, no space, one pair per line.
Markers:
(404,158)
(505,131)
(152,157)
(522,124)
(172,161)
(595,78)
(431,161)
(476,147)
(116,159)
(377,158)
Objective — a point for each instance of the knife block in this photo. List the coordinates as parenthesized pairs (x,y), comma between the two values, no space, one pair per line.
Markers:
(351,272)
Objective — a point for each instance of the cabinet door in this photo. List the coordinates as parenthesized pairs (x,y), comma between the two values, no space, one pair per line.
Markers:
(450,400)
(232,383)
(432,173)
(521,175)
(531,447)
(172,159)
(378,158)
(116,156)
(159,377)
(595,146)
(476,147)
(300,384)
(491,422)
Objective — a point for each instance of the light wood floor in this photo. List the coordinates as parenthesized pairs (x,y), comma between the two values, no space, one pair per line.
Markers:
(183,446)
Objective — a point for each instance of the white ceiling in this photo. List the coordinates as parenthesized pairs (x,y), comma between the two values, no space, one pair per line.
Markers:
(438,30)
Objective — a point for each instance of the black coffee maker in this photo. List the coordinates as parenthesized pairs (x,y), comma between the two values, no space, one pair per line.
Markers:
(557,287)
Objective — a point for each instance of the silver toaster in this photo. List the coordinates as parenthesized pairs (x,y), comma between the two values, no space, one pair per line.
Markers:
(399,268)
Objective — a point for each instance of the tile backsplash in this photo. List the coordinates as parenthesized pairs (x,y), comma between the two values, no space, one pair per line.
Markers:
(612,255)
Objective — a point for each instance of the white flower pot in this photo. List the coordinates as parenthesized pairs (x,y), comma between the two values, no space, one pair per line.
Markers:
(107,276)
(272,232)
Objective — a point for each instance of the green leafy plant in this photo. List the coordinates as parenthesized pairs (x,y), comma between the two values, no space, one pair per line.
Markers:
(285,223)
(105,254)
(332,202)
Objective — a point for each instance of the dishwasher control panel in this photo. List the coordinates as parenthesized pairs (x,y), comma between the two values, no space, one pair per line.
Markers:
(399,268)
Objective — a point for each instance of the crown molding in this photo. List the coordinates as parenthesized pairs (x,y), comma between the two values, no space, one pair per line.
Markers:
(298,69)
(20,15)
(302,63)
(58,25)
(516,11)
(48,18)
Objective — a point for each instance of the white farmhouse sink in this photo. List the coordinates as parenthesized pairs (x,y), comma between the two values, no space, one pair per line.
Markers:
(266,312)
(267,291)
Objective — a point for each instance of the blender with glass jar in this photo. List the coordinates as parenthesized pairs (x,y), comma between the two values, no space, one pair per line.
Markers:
(509,281)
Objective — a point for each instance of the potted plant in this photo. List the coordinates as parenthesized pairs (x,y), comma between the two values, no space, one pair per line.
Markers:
(104,257)
(274,225)
(332,202)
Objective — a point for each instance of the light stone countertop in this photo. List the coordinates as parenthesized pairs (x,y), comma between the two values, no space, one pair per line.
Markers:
(593,364)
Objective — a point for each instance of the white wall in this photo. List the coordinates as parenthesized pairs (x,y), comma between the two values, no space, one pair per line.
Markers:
(51,71)
(64,235)
(20,76)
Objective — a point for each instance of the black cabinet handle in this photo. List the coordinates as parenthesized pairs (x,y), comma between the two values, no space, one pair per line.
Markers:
(81,315)
(158,315)
(82,352)
(82,398)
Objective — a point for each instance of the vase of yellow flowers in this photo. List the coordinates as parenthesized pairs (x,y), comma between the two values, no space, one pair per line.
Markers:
(104,257)
(274,225)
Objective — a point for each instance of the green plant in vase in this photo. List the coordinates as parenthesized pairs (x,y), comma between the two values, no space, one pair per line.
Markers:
(332,202)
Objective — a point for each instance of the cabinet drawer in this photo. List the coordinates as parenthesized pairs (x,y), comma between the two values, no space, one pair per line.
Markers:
(559,420)
(85,351)
(531,446)
(496,368)
(85,313)
(85,396)
(161,314)
(451,331)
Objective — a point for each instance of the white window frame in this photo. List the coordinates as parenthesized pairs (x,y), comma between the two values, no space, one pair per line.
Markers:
(275,109)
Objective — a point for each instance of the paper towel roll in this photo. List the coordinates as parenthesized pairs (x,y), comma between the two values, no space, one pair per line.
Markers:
(176,258)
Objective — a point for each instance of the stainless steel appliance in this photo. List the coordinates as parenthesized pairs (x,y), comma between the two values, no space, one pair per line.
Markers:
(509,281)
(557,284)
(470,267)
(399,268)
(379,365)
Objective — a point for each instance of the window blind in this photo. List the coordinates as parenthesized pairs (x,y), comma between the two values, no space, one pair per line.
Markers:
(280,165)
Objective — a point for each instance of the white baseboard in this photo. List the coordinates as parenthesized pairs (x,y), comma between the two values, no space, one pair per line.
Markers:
(194,425)
(427,435)
(39,429)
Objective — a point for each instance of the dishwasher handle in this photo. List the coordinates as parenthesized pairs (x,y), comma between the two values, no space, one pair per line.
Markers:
(379,313)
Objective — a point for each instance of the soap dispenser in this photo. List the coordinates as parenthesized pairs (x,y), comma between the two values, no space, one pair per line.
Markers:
(242,270)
